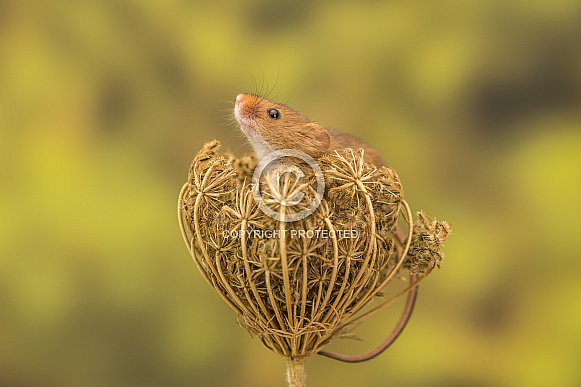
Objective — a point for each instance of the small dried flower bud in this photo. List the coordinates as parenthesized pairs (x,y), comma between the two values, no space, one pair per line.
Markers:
(425,250)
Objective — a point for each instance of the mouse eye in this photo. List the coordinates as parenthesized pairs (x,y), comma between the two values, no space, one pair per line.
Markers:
(273,113)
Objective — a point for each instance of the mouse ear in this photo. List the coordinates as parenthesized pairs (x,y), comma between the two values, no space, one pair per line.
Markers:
(319,140)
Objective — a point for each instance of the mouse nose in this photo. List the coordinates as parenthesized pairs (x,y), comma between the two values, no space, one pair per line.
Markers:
(239,99)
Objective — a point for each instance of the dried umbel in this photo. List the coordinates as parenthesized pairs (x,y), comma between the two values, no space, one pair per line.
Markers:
(298,282)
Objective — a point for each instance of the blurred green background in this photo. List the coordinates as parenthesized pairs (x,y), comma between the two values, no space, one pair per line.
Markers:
(103,104)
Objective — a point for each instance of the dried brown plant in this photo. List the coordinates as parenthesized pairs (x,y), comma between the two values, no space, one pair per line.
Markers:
(298,285)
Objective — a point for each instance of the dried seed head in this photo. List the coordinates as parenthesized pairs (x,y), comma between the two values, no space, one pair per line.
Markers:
(297,284)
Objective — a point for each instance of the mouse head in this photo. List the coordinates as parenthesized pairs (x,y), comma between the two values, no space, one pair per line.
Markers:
(271,126)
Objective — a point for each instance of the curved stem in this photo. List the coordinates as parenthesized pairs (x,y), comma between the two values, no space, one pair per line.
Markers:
(375,289)
(189,240)
(405,317)
(414,283)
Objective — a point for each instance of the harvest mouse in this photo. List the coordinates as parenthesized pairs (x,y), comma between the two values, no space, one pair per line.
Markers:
(270,126)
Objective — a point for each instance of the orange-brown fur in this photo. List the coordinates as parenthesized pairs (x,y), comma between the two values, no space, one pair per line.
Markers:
(291,131)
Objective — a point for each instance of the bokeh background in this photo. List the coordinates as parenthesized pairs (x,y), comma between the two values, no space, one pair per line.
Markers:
(103,104)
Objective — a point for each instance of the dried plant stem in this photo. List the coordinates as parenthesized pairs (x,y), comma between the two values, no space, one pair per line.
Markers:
(405,317)
(295,372)
(189,240)
(414,284)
